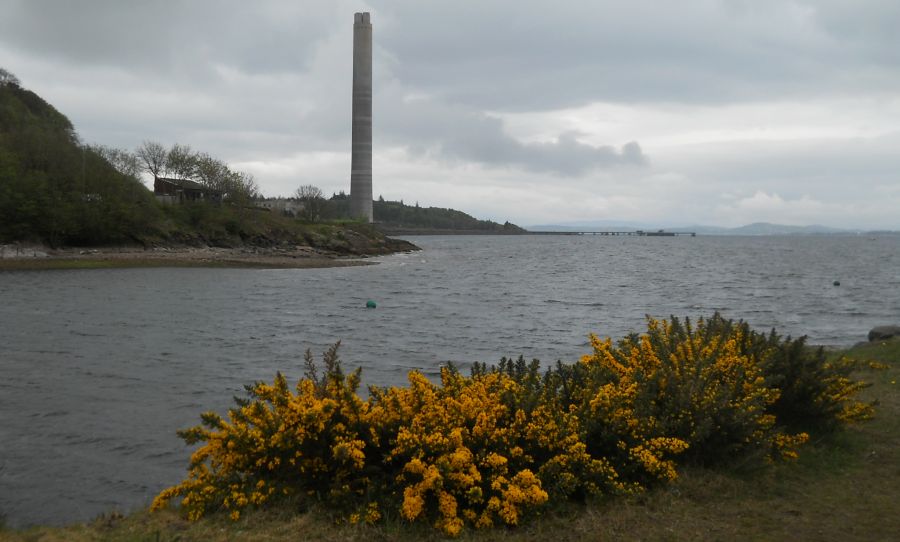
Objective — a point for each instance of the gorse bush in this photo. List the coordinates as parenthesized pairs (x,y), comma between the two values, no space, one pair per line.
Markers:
(280,443)
(493,448)
(693,384)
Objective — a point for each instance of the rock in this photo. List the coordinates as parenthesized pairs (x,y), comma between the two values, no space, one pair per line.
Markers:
(881,333)
(17,251)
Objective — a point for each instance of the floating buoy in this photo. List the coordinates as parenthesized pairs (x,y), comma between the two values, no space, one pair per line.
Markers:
(836,283)
(370,304)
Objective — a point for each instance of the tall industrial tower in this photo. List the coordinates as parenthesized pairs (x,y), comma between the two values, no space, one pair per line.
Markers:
(361,152)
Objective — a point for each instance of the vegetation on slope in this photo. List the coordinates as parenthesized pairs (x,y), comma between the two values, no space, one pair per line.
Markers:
(397,217)
(58,191)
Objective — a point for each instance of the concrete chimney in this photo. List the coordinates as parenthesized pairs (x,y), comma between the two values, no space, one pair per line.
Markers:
(361,151)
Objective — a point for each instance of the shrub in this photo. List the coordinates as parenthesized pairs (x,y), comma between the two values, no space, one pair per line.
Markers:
(694,384)
(460,454)
(492,448)
(814,393)
(278,443)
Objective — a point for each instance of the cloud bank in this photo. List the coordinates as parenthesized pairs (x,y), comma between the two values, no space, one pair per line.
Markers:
(695,112)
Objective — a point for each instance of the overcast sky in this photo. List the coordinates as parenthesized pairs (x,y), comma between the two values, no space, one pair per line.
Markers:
(669,113)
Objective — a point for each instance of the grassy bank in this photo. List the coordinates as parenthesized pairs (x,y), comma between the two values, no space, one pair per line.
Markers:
(843,488)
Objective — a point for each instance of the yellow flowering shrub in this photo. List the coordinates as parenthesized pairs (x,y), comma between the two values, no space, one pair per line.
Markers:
(491,449)
(814,394)
(460,454)
(678,381)
(279,443)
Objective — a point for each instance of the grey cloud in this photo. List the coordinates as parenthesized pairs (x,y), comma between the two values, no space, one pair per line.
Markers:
(521,55)
(459,134)
(270,80)
(870,32)
(565,156)
(501,55)
(177,40)
(833,171)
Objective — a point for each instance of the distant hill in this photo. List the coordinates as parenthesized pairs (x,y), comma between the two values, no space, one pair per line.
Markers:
(396,218)
(765,228)
(757,228)
(594,225)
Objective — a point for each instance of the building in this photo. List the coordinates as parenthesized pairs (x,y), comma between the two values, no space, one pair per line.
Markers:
(284,206)
(169,190)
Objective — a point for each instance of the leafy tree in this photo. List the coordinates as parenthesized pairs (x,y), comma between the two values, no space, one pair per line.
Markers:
(7,78)
(181,162)
(212,173)
(125,162)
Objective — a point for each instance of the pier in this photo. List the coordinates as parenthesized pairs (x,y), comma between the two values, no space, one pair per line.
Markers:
(636,233)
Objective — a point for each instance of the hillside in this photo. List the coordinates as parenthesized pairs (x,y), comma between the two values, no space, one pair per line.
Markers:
(54,189)
(57,191)
(397,218)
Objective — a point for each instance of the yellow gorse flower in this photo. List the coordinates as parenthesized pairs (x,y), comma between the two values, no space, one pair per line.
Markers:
(492,448)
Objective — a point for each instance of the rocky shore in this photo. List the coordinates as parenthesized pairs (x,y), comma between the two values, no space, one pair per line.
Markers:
(24,257)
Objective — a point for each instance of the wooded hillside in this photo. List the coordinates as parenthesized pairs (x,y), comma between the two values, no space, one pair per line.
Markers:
(54,188)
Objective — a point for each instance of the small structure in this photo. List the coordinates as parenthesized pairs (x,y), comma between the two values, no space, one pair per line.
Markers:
(284,206)
(171,191)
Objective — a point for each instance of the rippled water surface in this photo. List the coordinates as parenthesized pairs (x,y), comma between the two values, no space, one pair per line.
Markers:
(99,368)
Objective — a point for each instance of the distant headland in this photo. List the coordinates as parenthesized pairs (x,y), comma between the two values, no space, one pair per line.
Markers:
(71,204)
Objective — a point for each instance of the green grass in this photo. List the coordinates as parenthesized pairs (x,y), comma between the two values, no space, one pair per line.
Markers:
(844,487)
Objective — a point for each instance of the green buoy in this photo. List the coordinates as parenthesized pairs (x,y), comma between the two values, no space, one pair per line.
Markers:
(370,304)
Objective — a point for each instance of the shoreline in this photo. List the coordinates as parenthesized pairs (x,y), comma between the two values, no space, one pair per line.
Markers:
(297,257)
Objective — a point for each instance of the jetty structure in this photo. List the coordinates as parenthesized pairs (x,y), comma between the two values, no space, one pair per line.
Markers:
(361,139)
(638,233)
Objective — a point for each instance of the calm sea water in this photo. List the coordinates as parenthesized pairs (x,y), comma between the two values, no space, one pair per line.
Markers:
(99,368)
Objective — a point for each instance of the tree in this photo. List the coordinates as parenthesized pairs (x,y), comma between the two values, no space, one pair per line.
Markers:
(311,198)
(212,173)
(7,78)
(125,162)
(154,156)
(243,187)
(181,162)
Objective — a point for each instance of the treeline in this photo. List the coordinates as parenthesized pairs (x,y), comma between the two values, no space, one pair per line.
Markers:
(182,163)
(55,189)
(398,215)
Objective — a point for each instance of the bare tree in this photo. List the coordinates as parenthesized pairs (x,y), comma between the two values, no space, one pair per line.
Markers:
(154,156)
(313,202)
(250,188)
